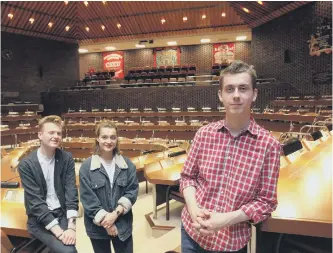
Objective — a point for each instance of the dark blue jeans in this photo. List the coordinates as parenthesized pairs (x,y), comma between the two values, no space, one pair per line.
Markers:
(191,246)
(104,245)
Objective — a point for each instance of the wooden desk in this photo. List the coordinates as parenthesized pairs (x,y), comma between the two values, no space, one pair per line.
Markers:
(9,162)
(305,195)
(161,179)
(13,215)
(167,176)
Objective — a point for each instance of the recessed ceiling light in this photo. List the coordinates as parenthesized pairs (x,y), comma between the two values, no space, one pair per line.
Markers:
(203,16)
(67,28)
(110,48)
(205,40)
(10,15)
(172,43)
(87,29)
(184,19)
(140,46)
(223,14)
(82,50)
(31,20)
(103,27)
(260,2)
(162,21)
(50,24)
(85,3)
(246,10)
(241,38)
(118,25)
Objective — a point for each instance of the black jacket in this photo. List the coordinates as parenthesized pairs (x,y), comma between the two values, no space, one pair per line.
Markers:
(35,188)
(97,195)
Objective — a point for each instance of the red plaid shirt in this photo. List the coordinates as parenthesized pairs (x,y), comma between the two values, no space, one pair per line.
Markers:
(231,173)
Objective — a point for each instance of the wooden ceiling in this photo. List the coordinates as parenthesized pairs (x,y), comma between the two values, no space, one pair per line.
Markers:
(137,19)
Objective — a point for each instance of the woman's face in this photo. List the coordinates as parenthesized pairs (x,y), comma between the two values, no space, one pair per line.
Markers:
(107,139)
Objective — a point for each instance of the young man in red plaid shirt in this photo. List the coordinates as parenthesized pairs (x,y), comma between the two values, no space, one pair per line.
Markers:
(229,179)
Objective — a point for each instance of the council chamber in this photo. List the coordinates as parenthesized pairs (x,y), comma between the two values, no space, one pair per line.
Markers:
(153,69)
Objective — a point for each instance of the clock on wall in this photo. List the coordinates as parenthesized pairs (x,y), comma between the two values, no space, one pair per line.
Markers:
(6,54)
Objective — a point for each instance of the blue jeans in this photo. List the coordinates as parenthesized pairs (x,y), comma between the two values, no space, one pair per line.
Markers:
(191,246)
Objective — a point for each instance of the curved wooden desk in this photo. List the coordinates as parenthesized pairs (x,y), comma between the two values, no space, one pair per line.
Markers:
(305,195)
(11,224)
(167,176)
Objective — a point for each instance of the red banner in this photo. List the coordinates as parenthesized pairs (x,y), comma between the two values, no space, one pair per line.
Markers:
(115,61)
(224,53)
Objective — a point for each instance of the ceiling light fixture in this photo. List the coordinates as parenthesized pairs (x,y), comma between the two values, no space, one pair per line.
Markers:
(246,10)
(82,50)
(203,16)
(31,20)
(110,48)
(67,28)
(103,27)
(86,3)
(50,24)
(184,19)
(260,2)
(104,2)
(172,43)
(118,25)
(162,21)
(223,14)
(66,2)
(205,40)
(140,46)
(241,38)
(10,15)
(87,29)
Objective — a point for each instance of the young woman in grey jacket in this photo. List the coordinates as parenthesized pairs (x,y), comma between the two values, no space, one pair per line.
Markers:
(108,190)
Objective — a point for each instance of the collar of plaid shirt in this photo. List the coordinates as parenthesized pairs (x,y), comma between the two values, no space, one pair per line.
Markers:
(253,128)
(226,172)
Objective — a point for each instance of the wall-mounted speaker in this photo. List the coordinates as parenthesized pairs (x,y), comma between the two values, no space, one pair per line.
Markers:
(287,58)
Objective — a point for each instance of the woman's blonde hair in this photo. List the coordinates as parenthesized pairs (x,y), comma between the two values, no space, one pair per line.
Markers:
(105,124)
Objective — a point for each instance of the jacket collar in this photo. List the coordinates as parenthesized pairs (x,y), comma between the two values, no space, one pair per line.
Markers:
(96,162)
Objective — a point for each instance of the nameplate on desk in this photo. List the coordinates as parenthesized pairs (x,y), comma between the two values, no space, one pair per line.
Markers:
(14,196)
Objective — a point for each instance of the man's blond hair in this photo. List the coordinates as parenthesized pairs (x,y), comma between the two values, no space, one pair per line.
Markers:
(50,119)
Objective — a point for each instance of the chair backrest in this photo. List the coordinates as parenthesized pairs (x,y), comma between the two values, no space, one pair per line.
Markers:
(316,135)
(292,146)
(292,150)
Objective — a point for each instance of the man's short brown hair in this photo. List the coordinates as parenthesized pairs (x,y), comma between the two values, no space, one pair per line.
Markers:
(238,67)
(49,119)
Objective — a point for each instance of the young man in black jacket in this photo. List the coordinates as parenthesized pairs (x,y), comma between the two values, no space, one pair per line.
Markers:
(50,192)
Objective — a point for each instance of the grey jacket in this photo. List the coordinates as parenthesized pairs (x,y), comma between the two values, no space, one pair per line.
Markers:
(35,188)
(98,197)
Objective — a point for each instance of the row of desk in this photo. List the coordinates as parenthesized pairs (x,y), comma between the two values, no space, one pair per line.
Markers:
(304,193)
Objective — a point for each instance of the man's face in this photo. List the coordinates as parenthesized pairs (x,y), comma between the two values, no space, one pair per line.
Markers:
(50,135)
(237,94)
